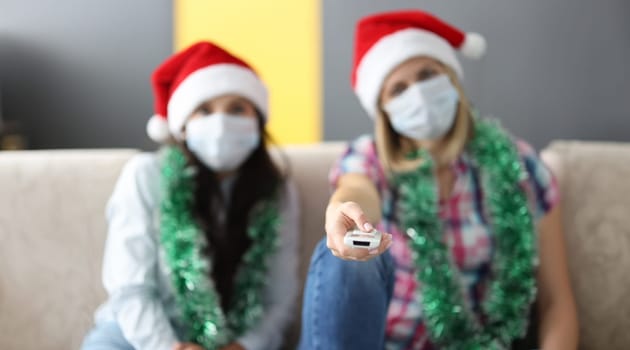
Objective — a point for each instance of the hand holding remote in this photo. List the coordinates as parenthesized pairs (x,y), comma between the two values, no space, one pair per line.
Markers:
(345,217)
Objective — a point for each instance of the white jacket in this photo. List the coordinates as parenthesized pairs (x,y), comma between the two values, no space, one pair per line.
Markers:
(141,298)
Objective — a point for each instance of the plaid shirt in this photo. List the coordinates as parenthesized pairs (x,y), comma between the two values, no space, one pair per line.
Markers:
(466,232)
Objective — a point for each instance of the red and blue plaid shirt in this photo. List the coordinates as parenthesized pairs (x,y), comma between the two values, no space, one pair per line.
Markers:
(466,232)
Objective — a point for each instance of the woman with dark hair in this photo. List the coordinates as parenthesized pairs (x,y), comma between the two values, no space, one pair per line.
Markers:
(202,245)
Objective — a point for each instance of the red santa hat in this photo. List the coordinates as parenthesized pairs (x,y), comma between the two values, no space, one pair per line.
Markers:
(385,40)
(187,79)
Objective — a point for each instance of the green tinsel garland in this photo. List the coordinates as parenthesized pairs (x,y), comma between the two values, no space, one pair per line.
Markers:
(449,320)
(183,244)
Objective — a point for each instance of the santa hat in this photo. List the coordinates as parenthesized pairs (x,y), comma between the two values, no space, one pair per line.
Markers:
(187,79)
(385,40)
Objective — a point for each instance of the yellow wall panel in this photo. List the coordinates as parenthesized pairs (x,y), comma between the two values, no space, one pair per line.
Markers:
(281,39)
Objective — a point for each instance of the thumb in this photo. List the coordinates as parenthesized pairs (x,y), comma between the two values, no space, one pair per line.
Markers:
(353,211)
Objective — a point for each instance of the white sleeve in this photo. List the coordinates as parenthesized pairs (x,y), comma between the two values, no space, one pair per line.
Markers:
(282,282)
(131,257)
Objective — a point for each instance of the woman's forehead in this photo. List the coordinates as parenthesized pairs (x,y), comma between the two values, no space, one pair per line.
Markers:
(224,99)
(415,63)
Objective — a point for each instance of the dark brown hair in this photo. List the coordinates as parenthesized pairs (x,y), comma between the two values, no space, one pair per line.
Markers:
(256,179)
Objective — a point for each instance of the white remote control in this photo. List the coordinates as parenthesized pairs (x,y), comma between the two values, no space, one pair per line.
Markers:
(359,239)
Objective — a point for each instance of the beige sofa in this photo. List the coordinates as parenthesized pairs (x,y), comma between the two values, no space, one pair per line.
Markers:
(52,230)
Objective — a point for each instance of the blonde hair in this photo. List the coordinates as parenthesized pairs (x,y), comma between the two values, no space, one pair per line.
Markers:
(393,148)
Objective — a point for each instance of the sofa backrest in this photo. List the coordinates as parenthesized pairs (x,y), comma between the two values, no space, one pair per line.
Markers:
(52,230)
(594,182)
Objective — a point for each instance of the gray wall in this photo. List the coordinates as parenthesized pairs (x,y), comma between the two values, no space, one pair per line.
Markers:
(76,73)
(553,69)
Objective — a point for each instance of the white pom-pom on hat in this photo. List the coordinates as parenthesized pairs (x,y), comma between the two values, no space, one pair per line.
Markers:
(157,129)
(474,45)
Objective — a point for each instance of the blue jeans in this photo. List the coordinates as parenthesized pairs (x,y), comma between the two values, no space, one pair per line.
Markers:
(345,302)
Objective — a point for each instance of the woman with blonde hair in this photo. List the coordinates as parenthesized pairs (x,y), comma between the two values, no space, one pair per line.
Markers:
(470,215)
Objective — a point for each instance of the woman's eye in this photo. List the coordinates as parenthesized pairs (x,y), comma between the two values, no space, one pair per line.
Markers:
(204,110)
(397,90)
(237,109)
(426,73)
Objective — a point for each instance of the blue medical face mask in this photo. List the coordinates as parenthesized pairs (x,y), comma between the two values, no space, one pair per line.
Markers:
(222,142)
(426,110)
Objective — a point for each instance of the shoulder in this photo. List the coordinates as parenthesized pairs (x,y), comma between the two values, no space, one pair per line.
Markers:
(538,180)
(359,153)
(534,168)
(363,144)
(360,157)
(140,177)
(525,150)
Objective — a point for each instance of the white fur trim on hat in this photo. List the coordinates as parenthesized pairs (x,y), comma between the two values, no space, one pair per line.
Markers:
(393,50)
(474,45)
(210,82)
(157,129)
